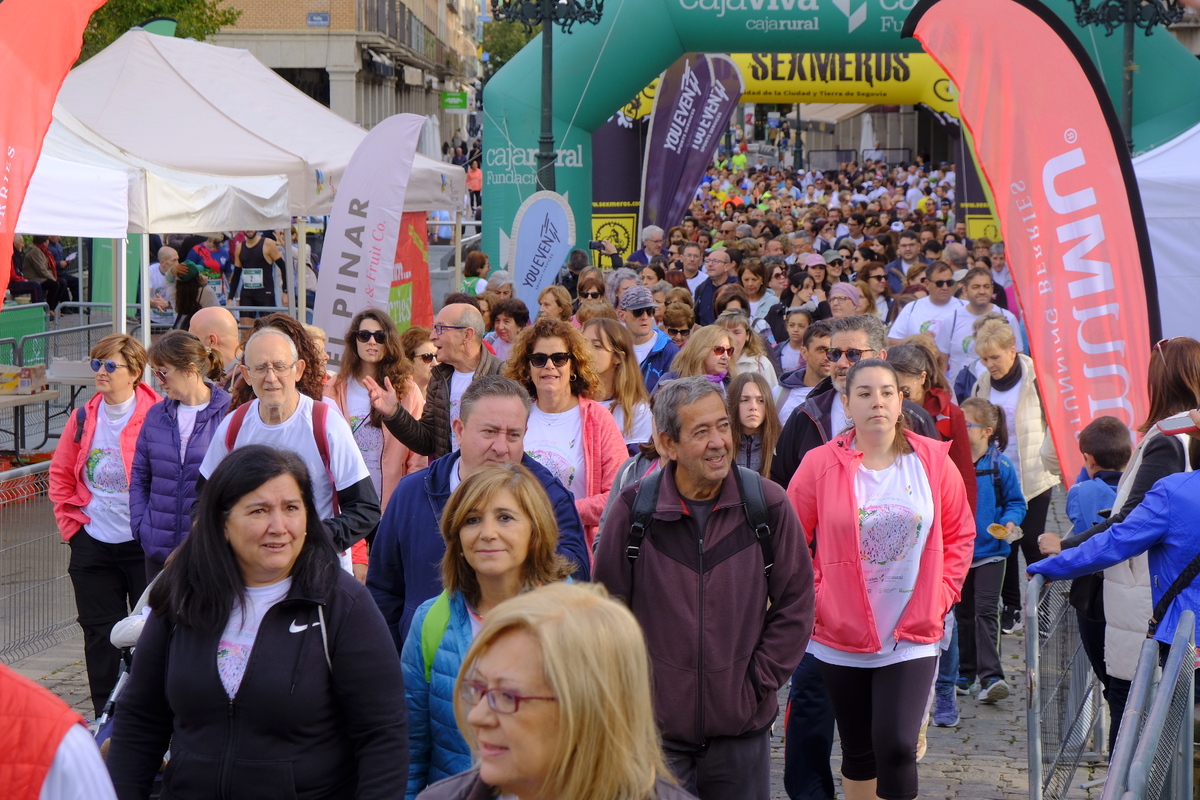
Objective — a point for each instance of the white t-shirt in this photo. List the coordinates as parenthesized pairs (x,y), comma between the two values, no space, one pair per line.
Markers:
(369,439)
(296,434)
(789,359)
(796,396)
(77,772)
(186,418)
(237,640)
(159,289)
(1008,402)
(459,381)
(643,422)
(694,283)
(922,316)
(556,442)
(895,514)
(959,341)
(640,351)
(104,475)
(837,416)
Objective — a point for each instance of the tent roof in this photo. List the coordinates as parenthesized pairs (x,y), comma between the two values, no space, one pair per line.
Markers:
(235,117)
(831,112)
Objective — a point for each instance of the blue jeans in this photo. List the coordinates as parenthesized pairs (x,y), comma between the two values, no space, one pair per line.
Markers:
(948,664)
(808,732)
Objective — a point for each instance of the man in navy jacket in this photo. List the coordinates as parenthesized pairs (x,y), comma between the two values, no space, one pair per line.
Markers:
(407,555)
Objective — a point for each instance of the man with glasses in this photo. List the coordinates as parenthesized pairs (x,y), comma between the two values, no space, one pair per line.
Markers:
(935,315)
(719,267)
(458,336)
(653,349)
(693,258)
(282,417)
(809,733)
(652,244)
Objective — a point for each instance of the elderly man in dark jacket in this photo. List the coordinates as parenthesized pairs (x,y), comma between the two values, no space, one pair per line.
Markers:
(726,615)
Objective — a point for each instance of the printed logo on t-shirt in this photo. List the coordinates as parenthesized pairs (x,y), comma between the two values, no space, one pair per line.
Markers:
(105,470)
(554,461)
(888,532)
(928,324)
(368,438)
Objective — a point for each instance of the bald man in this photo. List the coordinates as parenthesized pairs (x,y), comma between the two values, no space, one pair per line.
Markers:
(217,329)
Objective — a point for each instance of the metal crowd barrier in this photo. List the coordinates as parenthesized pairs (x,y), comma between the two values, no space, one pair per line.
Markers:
(37,604)
(1152,758)
(1064,702)
(829,160)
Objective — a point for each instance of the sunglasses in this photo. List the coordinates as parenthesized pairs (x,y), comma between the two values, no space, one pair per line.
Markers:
(428,358)
(1158,346)
(640,312)
(365,336)
(590,295)
(723,351)
(676,333)
(161,374)
(852,355)
(942,284)
(539,359)
(109,366)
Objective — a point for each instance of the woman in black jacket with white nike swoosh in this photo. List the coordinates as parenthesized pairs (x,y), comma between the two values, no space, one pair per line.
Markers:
(267,670)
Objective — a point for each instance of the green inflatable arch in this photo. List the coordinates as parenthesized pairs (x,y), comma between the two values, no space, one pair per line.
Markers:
(598,68)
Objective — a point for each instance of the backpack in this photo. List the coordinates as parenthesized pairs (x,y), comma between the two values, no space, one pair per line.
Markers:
(320,417)
(754,504)
(433,630)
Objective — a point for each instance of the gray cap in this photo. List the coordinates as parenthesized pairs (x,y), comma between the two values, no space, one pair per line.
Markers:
(637,297)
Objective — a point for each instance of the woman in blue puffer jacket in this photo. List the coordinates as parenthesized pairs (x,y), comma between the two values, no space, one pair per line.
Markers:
(501,534)
(172,443)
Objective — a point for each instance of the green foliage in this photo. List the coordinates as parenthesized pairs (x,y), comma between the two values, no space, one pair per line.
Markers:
(198,19)
(503,40)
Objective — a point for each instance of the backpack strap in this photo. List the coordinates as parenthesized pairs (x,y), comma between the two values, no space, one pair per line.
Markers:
(1181,582)
(80,419)
(433,630)
(235,425)
(754,502)
(645,500)
(320,416)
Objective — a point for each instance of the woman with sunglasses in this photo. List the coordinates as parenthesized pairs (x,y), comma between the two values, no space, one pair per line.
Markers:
(571,434)
(501,537)
(374,349)
(591,290)
(750,353)
(422,353)
(89,487)
(708,352)
(172,444)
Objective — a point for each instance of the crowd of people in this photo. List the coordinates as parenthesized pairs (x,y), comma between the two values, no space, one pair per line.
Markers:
(578,551)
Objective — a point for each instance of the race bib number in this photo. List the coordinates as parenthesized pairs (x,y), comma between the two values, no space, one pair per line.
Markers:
(252,278)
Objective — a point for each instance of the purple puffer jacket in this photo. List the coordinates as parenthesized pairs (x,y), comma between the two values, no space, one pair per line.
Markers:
(162,489)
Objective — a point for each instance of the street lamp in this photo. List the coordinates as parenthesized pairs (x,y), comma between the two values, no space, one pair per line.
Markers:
(1112,14)
(547,13)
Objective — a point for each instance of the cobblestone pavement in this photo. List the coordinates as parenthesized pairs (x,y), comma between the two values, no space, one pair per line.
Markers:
(984,758)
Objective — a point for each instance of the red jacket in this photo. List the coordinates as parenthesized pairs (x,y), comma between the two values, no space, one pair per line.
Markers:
(952,425)
(68,490)
(822,491)
(604,452)
(35,722)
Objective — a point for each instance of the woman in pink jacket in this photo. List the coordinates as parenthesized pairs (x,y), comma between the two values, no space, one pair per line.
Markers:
(894,538)
(572,435)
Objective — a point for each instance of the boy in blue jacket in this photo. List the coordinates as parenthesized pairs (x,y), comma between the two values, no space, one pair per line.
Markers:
(1002,504)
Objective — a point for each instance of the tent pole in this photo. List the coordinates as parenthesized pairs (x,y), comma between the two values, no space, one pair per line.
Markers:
(120,283)
(458,262)
(301,269)
(145,293)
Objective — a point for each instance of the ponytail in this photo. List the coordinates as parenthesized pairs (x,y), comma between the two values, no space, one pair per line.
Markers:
(990,416)
(216,365)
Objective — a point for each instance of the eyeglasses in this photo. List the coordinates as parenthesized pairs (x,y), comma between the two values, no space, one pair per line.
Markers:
(439,329)
(502,701)
(639,312)
(365,336)
(428,358)
(279,368)
(905,391)
(852,355)
(590,295)
(109,366)
(716,261)
(943,284)
(678,333)
(974,425)
(723,351)
(539,359)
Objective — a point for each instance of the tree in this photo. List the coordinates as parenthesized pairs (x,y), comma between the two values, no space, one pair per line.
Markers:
(502,41)
(198,19)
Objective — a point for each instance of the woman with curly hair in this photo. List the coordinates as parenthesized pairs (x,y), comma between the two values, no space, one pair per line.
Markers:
(311,383)
(374,349)
(571,434)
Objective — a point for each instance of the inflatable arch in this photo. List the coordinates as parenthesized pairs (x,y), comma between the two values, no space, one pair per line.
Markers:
(598,68)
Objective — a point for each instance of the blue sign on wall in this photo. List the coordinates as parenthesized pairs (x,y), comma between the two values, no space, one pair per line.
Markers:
(318,19)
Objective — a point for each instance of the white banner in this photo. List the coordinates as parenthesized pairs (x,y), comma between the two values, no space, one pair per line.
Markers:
(359,259)
(543,233)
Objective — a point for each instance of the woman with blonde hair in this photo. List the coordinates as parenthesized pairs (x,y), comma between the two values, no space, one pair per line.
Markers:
(554,697)
(621,389)
(422,353)
(708,352)
(554,302)
(571,434)
(501,537)
(749,352)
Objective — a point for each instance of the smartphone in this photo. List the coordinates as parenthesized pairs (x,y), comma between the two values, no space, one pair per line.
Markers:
(1176,425)
(595,245)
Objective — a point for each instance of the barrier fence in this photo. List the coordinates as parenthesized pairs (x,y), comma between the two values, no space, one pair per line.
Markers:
(1152,757)
(37,605)
(829,160)
(1064,703)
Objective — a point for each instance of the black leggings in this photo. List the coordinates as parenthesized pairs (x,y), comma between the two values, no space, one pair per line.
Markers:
(879,711)
(1034,525)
